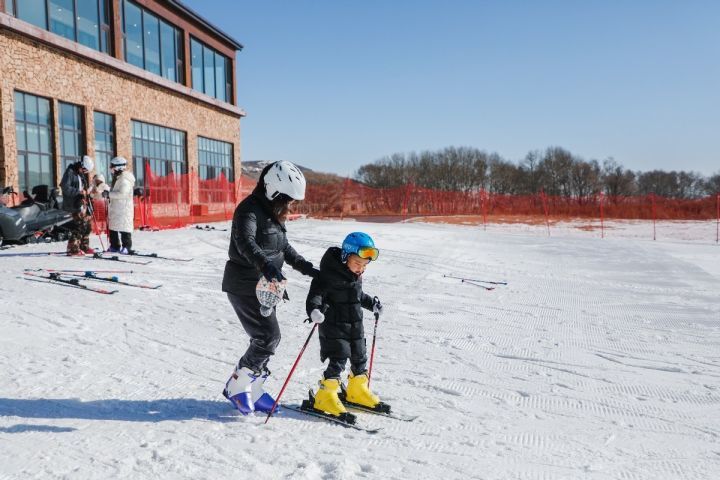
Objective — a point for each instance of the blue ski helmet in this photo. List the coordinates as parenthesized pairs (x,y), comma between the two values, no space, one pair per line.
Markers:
(361,244)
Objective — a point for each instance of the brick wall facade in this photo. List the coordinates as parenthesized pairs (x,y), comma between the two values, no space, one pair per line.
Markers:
(31,66)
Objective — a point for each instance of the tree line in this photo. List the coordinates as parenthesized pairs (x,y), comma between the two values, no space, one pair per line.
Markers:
(556,171)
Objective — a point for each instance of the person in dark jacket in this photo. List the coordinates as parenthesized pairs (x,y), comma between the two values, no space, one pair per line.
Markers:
(75,184)
(335,301)
(259,247)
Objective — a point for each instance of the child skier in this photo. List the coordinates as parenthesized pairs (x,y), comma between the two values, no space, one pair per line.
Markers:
(338,292)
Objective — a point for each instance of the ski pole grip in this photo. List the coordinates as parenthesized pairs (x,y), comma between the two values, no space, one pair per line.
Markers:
(376,302)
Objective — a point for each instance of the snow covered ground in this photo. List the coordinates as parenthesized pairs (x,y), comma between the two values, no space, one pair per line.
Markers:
(599,360)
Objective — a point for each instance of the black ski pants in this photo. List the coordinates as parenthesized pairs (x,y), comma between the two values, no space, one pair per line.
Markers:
(264,332)
(115,239)
(358,364)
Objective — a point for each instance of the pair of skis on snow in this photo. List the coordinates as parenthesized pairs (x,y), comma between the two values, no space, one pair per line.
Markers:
(71,278)
(348,420)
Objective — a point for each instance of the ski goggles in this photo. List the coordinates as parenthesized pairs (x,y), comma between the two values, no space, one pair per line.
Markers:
(368,252)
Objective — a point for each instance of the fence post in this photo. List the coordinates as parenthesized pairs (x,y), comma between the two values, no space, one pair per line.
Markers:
(483,203)
(602,216)
(342,197)
(545,208)
(654,215)
(147,203)
(405,200)
(717,225)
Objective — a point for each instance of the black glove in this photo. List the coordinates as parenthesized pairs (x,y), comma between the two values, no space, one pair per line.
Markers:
(307,269)
(271,272)
(377,307)
(105,194)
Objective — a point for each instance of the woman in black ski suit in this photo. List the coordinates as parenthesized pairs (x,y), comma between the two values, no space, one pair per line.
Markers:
(259,246)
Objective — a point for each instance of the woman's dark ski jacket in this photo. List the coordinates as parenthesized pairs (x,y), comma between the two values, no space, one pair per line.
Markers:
(256,239)
(341,291)
(72,185)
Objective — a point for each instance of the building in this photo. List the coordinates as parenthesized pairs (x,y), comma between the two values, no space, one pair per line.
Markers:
(149,80)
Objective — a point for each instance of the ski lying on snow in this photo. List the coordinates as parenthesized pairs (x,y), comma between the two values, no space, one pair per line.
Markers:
(475,280)
(160,257)
(329,418)
(70,282)
(116,280)
(382,409)
(363,408)
(116,258)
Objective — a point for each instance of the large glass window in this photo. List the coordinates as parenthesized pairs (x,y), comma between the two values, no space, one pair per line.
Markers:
(162,148)
(171,55)
(211,71)
(151,31)
(151,43)
(84,21)
(215,158)
(88,26)
(72,144)
(33,130)
(104,142)
(196,52)
(132,28)
(32,11)
(62,19)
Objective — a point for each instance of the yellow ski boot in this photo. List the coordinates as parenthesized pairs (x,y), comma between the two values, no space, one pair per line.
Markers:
(358,391)
(326,398)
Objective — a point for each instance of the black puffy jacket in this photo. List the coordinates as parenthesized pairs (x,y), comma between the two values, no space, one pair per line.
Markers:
(257,238)
(341,291)
(72,185)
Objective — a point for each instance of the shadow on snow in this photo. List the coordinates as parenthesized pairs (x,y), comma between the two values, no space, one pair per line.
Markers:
(172,409)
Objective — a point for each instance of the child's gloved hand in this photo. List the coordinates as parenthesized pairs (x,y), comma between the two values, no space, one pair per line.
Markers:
(377,306)
(317,316)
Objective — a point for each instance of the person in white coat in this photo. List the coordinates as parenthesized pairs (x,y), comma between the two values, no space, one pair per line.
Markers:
(121,211)
(99,187)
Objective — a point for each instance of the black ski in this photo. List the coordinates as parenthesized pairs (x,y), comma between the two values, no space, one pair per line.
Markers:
(474,280)
(70,282)
(330,418)
(113,279)
(115,258)
(159,257)
(382,409)
(383,413)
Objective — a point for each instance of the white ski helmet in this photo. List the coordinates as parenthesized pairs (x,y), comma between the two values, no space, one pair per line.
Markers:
(284,178)
(118,163)
(87,163)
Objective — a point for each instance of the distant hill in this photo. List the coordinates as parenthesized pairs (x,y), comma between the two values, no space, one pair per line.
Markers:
(252,169)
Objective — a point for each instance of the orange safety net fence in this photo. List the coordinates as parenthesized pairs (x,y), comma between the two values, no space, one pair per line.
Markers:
(177,200)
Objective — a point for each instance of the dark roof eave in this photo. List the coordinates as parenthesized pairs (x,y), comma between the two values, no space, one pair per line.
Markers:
(197,17)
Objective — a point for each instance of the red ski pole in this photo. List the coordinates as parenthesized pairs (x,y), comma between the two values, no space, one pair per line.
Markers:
(277,400)
(376,301)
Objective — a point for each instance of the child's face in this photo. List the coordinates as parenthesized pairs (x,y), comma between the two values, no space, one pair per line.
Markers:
(356,264)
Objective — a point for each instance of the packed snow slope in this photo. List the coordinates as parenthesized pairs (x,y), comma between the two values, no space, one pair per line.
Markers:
(599,360)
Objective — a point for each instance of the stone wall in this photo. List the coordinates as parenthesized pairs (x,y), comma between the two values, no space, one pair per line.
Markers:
(33,67)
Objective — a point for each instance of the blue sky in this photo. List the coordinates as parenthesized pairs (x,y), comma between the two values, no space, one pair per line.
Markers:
(333,85)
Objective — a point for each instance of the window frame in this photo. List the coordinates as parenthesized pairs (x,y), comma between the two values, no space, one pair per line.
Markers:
(80,131)
(214,55)
(155,145)
(50,155)
(103,22)
(178,44)
(112,133)
(231,167)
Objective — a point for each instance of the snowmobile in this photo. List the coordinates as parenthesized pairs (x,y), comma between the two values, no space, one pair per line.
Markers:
(38,218)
